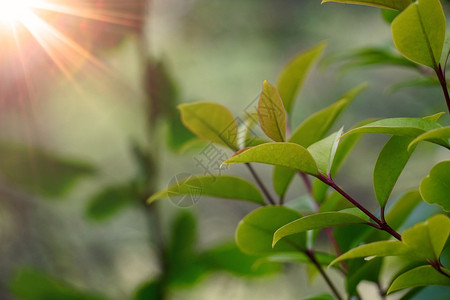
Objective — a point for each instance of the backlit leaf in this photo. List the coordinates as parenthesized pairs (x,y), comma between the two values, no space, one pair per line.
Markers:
(210,121)
(420,276)
(438,136)
(324,152)
(419,32)
(271,113)
(255,232)
(435,188)
(288,155)
(294,74)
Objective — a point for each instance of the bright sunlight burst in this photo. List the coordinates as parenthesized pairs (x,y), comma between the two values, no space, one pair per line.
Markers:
(12,11)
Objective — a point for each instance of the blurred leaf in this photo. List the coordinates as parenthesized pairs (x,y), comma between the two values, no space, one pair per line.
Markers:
(335,202)
(30,284)
(317,221)
(375,249)
(287,155)
(368,271)
(419,32)
(271,113)
(312,130)
(435,188)
(438,136)
(149,291)
(108,202)
(39,171)
(254,233)
(389,15)
(321,297)
(397,126)
(214,186)
(292,77)
(398,4)
(324,152)
(421,276)
(390,164)
(229,258)
(427,239)
(424,81)
(401,210)
(298,257)
(210,121)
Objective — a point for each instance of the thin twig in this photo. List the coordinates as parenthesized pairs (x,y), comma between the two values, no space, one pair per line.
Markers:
(441,76)
(260,184)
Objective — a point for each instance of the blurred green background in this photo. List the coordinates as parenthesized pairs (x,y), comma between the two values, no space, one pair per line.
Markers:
(214,51)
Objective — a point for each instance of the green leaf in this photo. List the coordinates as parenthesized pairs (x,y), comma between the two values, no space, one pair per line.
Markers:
(324,152)
(110,201)
(39,171)
(177,134)
(316,221)
(438,136)
(401,210)
(321,297)
(419,32)
(420,276)
(435,188)
(299,257)
(389,15)
(271,113)
(255,232)
(414,82)
(230,259)
(390,164)
(427,239)
(376,249)
(30,284)
(214,186)
(397,126)
(183,238)
(288,155)
(210,121)
(396,4)
(294,74)
(312,130)
(151,290)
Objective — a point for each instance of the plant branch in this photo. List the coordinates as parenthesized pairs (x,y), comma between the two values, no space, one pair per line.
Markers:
(382,225)
(441,76)
(260,184)
(327,279)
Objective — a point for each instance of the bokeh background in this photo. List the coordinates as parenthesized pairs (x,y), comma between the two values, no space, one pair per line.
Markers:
(89,105)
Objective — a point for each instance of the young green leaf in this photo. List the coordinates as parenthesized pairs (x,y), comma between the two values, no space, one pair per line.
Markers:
(210,121)
(396,4)
(271,113)
(435,188)
(312,130)
(397,126)
(378,249)
(294,74)
(288,155)
(316,221)
(110,201)
(214,186)
(419,32)
(427,239)
(438,136)
(390,164)
(255,232)
(324,152)
(420,276)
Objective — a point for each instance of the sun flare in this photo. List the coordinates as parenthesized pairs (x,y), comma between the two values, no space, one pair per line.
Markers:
(15,11)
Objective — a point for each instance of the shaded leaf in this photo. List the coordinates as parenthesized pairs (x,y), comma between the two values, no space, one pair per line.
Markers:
(151,290)
(110,201)
(419,32)
(390,164)
(435,188)
(255,232)
(39,171)
(397,5)
(271,113)
(294,74)
(389,15)
(210,121)
(420,276)
(317,221)
(321,297)
(177,134)
(214,186)
(288,155)
(401,210)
